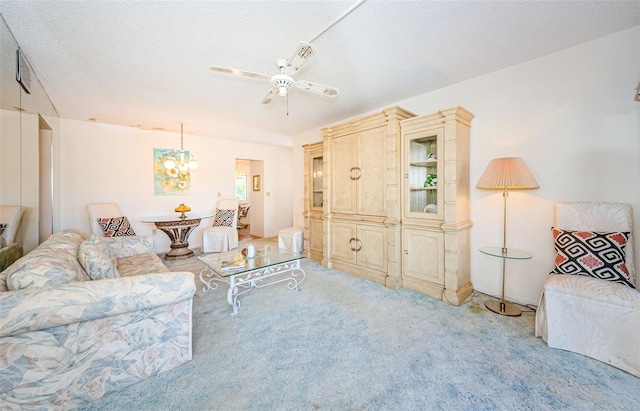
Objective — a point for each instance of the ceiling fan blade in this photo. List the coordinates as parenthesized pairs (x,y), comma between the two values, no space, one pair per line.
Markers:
(270,96)
(238,72)
(317,88)
(302,55)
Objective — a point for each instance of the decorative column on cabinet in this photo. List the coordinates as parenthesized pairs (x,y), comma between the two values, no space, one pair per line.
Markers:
(435,209)
(362,197)
(313,200)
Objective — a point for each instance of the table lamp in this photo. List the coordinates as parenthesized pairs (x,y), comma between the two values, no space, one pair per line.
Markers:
(509,173)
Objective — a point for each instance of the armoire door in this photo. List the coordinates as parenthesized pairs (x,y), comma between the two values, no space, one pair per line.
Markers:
(423,256)
(372,172)
(343,174)
(343,244)
(372,247)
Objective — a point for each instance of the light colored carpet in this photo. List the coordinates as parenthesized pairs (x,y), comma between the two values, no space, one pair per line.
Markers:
(344,343)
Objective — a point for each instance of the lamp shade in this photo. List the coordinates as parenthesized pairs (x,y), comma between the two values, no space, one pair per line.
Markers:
(509,173)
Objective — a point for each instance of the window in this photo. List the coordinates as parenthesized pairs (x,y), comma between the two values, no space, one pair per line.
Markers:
(241,187)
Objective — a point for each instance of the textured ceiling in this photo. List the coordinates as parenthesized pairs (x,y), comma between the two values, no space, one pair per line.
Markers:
(145,63)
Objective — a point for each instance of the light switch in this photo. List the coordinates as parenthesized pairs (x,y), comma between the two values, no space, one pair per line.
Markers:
(268,193)
(219,194)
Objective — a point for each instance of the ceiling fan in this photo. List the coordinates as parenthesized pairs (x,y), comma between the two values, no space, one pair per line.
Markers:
(289,67)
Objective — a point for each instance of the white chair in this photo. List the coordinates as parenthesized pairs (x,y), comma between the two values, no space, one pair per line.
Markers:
(242,215)
(11,216)
(101,210)
(591,316)
(221,238)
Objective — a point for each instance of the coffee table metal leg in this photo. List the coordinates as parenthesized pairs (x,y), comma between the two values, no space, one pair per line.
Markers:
(232,295)
(212,276)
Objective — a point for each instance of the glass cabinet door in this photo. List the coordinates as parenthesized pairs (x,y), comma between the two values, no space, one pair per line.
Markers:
(423,166)
(316,186)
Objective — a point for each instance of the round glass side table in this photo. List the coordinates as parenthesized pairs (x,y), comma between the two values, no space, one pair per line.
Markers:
(502,307)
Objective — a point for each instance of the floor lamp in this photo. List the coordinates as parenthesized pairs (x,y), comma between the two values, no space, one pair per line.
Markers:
(510,173)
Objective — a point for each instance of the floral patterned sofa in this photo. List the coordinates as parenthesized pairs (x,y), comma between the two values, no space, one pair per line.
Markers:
(83,316)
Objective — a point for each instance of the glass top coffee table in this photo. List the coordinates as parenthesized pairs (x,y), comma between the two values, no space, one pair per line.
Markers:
(271,265)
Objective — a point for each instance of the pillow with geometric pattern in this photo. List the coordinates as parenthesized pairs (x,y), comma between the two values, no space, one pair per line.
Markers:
(224,218)
(116,227)
(2,228)
(595,254)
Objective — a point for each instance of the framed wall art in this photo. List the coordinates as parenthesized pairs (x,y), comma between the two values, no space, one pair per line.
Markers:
(167,182)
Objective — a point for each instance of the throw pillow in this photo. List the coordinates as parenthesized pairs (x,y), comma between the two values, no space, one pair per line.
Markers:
(224,218)
(599,255)
(95,262)
(103,244)
(2,228)
(116,227)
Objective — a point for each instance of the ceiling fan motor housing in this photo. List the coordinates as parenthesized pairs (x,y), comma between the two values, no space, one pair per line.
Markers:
(282,82)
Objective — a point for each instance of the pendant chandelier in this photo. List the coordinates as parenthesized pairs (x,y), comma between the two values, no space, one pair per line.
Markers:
(180,159)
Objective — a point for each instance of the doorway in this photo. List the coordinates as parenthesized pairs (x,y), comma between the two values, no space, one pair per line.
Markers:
(249,192)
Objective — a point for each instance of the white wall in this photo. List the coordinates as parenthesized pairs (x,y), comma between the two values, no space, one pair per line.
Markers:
(107,163)
(572,117)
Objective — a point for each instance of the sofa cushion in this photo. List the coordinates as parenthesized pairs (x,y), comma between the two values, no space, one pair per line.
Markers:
(116,226)
(53,262)
(127,246)
(147,263)
(224,218)
(598,255)
(96,262)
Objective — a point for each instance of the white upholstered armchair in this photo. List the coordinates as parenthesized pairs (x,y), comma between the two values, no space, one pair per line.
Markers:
(223,236)
(592,316)
(10,251)
(10,215)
